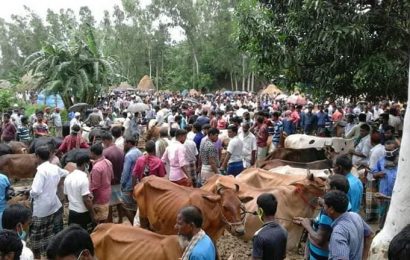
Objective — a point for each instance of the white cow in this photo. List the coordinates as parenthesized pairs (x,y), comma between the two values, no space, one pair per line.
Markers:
(300,141)
(288,170)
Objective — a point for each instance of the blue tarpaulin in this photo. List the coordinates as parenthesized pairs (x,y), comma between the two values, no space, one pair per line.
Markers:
(50,100)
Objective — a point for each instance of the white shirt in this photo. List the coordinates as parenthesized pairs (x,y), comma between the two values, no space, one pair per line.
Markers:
(249,145)
(396,122)
(235,147)
(363,147)
(76,185)
(376,153)
(190,151)
(119,142)
(190,135)
(74,121)
(44,189)
(26,254)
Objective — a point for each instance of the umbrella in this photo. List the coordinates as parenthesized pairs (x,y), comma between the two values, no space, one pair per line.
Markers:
(137,107)
(78,107)
(301,101)
(292,99)
(191,100)
(281,97)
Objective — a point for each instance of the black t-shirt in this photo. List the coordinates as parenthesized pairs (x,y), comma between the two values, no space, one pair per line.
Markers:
(269,242)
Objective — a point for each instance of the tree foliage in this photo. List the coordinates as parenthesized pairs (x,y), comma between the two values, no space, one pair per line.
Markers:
(347,48)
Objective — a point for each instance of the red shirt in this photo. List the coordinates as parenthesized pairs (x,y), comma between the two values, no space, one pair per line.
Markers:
(154,167)
(100,181)
(72,142)
(262,135)
(8,132)
(116,156)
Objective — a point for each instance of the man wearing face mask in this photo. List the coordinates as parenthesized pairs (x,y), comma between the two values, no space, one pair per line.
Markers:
(386,171)
(76,188)
(18,218)
(269,242)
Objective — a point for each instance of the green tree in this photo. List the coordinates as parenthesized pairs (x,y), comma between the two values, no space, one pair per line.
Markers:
(78,71)
(348,48)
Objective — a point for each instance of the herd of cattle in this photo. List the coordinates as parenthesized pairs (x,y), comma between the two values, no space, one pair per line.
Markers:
(295,174)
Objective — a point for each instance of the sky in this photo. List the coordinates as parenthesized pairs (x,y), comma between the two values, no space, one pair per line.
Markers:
(96,6)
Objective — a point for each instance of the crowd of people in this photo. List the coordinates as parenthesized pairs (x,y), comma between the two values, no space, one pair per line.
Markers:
(189,149)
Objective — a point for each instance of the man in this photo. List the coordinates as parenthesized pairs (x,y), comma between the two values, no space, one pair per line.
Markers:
(174,156)
(395,121)
(72,141)
(386,172)
(261,133)
(269,242)
(148,164)
(116,157)
(46,204)
(117,132)
(18,218)
(196,243)
(203,118)
(77,190)
(361,153)
(209,156)
(57,122)
(213,120)
(131,156)
(73,243)
(399,246)
(221,122)
(162,143)
(4,188)
(8,129)
(101,176)
(350,124)
(322,119)
(344,166)
(249,145)
(94,118)
(277,131)
(23,131)
(351,236)
(10,245)
(233,162)
(319,229)
(198,135)
(40,128)
(354,132)
(309,121)
(75,120)
(191,155)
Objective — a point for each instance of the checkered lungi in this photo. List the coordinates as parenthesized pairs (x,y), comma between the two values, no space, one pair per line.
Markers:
(383,209)
(128,201)
(372,207)
(191,168)
(262,153)
(41,231)
(115,195)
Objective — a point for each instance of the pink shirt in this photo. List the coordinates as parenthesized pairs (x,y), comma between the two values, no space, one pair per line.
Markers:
(100,181)
(175,156)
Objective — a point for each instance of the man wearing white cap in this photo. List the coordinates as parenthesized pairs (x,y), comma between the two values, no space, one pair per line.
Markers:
(75,120)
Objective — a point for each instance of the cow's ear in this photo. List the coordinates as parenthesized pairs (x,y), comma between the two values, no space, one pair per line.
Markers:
(245,199)
(212,198)
(310,175)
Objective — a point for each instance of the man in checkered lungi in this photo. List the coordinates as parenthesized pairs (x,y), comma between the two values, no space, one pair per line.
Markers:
(47,208)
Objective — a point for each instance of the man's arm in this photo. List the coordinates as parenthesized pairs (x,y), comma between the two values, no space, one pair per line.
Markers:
(37,186)
(368,238)
(257,249)
(126,172)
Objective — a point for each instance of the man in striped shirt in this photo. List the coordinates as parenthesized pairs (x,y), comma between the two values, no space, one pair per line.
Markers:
(351,236)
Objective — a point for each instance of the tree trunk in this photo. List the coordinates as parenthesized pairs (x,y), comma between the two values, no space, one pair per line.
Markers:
(156,75)
(253,82)
(149,62)
(231,80)
(248,85)
(397,216)
(236,84)
(196,65)
(243,73)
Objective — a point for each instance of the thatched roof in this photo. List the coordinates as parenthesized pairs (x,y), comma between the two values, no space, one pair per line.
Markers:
(146,84)
(272,90)
(194,92)
(4,84)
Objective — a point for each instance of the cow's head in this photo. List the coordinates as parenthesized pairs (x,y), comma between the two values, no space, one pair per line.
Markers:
(310,189)
(232,211)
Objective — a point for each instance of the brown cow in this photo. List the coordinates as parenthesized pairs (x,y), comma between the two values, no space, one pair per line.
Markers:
(159,201)
(300,155)
(315,165)
(18,166)
(117,241)
(18,147)
(296,199)
(259,178)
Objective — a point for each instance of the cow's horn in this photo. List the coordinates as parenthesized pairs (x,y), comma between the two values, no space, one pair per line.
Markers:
(309,174)
(219,187)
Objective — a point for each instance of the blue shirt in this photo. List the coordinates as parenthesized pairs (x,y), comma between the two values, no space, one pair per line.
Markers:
(203,250)
(387,182)
(322,118)
(347,239)
(355,192)
(288,126)
(129,163)
(4,186)
(197,139)
(277,130)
